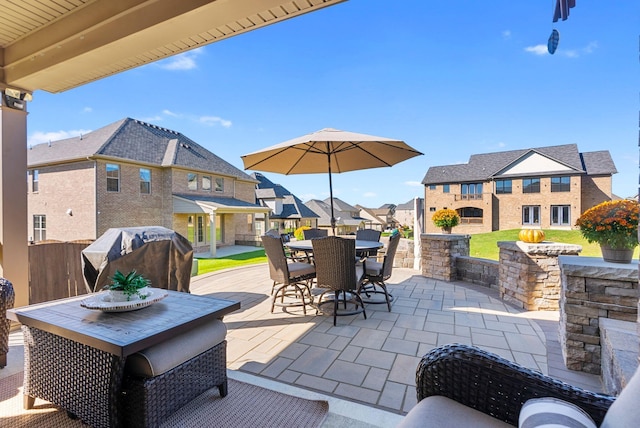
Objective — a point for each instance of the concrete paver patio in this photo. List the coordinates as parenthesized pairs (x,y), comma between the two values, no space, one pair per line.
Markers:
(373,361)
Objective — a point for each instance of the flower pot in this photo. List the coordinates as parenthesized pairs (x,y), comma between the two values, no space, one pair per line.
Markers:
(446,230)
(616,255)
(120,296)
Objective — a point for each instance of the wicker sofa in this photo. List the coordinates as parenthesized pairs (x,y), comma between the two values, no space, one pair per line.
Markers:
(460,385)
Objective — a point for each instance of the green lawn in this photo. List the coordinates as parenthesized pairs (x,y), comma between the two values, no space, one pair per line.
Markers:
(482,245)
(210,265)
(485,245)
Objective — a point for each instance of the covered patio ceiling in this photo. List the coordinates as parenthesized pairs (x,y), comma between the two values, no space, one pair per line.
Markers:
(55,45)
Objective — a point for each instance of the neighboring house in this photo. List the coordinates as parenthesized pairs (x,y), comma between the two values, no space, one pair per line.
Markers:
(386,212)
(372,221)
(131,173)
(287,211)
(547,187)
(347,217)
(405,213)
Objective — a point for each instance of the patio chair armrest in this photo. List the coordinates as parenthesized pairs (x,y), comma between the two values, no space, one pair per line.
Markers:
(494,385)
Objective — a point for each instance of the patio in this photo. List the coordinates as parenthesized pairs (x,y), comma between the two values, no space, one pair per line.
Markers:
(366,368)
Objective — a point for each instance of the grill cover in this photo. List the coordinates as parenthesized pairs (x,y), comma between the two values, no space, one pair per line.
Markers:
(161,255)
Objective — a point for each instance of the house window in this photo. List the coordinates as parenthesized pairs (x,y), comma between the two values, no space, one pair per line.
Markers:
(560,184)
(445,188)
(503,187)
(432,187)
(250,222)
(219,184)
(192,181)
(470,215)
(113,177)
(531,214)
(34,180)
(432,209)
(206,183)
(39,227)
(145,181)
(561,215)
(200,229)
(530,185)
(471,191)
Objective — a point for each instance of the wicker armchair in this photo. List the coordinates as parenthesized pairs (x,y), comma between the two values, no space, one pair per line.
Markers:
(314,233)
(368,235)
(378,272)
(493,385)
(7,299)
(291,280)
(338,272)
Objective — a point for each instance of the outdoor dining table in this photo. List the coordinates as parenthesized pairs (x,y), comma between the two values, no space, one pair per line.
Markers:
(307,246)
(74,356)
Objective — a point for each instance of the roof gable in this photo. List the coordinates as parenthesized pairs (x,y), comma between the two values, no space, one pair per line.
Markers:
(534,163)
(133,140)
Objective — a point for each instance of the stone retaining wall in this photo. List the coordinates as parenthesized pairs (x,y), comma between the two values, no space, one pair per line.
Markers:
(439,252)
(479,271)
(529,273)
(593,289)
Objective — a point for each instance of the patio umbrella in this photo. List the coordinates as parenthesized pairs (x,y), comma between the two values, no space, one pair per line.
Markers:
(327,151)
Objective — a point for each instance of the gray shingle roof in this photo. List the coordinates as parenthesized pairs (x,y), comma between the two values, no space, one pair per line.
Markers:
(482,167)
(292,206)
(340,205)
(134,140)
(219,201)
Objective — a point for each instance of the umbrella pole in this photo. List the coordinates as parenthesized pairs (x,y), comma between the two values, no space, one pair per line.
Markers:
(333,219)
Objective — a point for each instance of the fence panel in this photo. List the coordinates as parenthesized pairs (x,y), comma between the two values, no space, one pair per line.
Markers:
(55,270)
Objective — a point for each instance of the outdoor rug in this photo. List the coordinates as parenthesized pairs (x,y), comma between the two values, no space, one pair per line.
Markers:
(246,405)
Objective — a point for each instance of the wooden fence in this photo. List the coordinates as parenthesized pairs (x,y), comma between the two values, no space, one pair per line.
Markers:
(55,270)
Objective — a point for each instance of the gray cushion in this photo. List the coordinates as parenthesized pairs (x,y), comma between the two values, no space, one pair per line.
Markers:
(164,356)
(553,412)
(439,412)
(373,268)
(625,411)
(300,268)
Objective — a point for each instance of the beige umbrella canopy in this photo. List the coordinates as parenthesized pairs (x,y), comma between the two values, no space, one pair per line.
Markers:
(327,151)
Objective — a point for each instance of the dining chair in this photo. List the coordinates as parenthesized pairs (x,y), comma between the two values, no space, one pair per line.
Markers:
(314,233)
(338,275)
(291,279)
(368,235)
(376,273)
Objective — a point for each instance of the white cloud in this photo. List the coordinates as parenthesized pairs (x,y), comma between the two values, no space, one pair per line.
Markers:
(40,137)
(170,113)
(413,183)
(87,110)
(537,49)
(506,34)
(214,120)
(183,61)
(370,195)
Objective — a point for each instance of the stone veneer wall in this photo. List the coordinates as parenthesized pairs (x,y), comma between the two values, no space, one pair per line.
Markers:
(439,253)
(479,271)
(593,289)
(529,273)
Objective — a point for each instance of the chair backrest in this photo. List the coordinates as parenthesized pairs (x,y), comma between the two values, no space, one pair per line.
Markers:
(278,267)
(314,233)
(387,264)
(273,233)
(368,235)
(335,260)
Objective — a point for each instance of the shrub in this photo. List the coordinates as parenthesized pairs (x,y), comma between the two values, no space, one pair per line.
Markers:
(298,233)
(612,223)
(446,218)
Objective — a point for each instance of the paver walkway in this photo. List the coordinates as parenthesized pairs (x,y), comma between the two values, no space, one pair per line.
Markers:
(373,361)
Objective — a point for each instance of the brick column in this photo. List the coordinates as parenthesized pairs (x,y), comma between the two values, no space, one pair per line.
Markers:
(593,289)
(529,276)
(439,252)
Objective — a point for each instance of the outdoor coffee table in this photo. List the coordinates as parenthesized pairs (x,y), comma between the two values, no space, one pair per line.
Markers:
(74,357)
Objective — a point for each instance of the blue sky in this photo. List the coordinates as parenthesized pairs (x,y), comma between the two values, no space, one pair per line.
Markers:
(450,78)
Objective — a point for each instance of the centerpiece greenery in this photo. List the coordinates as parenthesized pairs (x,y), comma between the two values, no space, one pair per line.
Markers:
(611,223)
(445,219)
(130,284)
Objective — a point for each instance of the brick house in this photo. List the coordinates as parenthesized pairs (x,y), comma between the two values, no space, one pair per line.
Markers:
(347,216)
(131,173)
(287,212)
(546,187)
